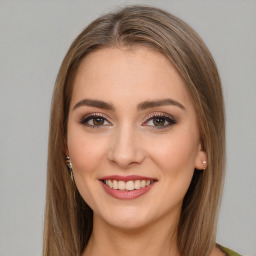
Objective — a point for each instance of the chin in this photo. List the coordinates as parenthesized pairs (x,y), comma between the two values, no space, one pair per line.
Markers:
(126,219)
(128,224)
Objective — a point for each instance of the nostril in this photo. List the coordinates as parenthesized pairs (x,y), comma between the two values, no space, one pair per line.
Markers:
(126,158)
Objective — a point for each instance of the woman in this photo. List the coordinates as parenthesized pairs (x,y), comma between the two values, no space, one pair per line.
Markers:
(137,117)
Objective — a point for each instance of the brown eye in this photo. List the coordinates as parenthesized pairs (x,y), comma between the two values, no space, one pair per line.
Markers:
(98,121)
(94,121)
(159,121)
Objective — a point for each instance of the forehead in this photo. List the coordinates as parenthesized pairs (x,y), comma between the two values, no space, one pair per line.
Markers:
(133,74)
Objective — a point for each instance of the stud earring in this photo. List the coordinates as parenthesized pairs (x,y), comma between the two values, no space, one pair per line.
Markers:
(69,167)
(204,165)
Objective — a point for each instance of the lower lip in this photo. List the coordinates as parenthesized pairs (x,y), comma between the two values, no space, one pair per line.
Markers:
(125,194)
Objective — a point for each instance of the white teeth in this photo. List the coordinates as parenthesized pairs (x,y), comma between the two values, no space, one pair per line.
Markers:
(137,184)
(110,183)
(129,185)
(115,184)
(121,185)
(143,184)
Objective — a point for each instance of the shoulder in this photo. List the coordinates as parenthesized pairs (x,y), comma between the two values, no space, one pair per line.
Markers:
(227,251)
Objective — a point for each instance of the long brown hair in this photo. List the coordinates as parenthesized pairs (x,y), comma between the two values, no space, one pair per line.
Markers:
(68,219)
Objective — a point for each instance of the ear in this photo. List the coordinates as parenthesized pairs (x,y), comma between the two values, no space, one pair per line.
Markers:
(200,158)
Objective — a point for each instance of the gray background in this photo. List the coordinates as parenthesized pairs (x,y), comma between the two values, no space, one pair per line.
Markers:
(35,35)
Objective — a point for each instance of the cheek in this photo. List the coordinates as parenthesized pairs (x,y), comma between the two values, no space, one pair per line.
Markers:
(177,161)
(85,151)
(175,157)
(177,150)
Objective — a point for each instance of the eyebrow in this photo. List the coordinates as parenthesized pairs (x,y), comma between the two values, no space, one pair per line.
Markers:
(158,103)
(142,106)
(94,103)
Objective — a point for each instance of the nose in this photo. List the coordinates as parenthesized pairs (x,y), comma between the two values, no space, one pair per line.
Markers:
(126,149)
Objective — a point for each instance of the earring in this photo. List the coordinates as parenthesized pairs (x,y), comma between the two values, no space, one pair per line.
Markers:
(204,165)
(69,167)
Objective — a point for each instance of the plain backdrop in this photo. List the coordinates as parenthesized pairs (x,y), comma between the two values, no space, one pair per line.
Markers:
(34,37)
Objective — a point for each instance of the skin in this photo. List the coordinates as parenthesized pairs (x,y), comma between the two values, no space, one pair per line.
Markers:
(127,141)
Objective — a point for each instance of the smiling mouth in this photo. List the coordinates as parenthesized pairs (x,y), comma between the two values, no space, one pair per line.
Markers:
(128,185)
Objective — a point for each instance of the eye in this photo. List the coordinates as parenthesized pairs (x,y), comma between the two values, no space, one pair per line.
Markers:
(160,121)
(94,121)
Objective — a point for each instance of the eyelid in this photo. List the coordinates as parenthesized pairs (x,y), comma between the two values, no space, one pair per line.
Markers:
(171,120)
(89,116)
(158,114)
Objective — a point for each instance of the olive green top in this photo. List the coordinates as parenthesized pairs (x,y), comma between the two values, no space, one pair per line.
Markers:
(229,252)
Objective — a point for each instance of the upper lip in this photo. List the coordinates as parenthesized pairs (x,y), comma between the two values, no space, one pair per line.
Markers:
(127,178)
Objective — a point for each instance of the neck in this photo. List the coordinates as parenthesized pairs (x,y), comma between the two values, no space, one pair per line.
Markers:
(156,239)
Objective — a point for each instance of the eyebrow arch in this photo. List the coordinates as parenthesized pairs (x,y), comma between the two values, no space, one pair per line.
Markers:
(158,103)
(94,103)
(142,106)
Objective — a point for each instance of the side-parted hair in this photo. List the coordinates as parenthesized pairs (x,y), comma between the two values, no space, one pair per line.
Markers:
(68,219)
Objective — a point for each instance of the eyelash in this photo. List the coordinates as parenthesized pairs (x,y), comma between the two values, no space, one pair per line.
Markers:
(85,119)
(171,121)
(166,117)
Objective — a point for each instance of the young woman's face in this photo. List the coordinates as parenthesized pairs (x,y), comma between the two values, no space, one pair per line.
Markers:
(133,137)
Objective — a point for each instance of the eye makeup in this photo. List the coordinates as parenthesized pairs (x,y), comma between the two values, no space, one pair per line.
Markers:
(155,121)
(94,120)
(160,120)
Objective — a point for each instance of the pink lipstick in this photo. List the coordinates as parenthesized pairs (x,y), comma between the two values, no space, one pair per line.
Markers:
(127,187)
